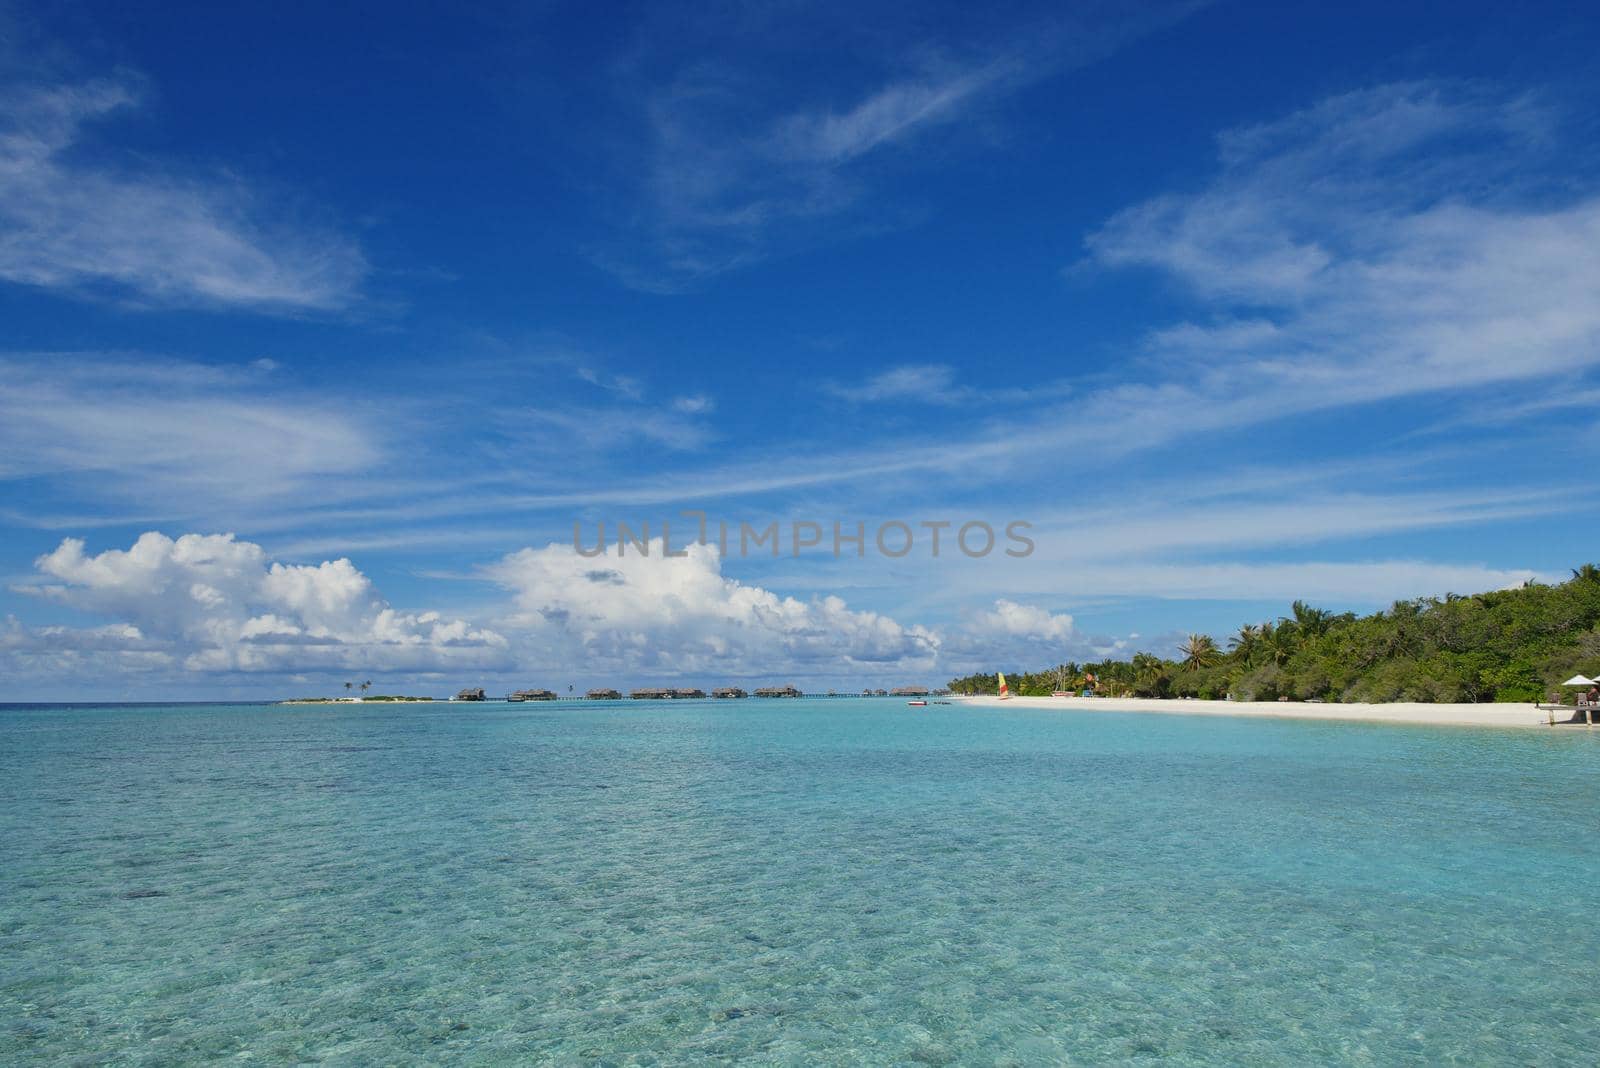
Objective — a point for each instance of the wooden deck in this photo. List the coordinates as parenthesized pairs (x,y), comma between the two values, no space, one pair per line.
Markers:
(1583,714)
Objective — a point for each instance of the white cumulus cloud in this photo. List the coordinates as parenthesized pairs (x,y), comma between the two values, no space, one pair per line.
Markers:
(1025,621)
(681,615)
(212,603)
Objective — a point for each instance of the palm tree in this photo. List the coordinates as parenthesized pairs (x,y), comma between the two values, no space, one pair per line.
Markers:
(1280,642)
(1199,651)
(1587,573)
(1310,621)
(348,686)
(365,686)
(1148,670)
(1405,610)
(1246,643)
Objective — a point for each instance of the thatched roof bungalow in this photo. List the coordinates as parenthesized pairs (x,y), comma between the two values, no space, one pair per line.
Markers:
(778,691)
(688,693)
(729,691)
(531,695)
(909,691)
(472,694)
(603,695)
(651,693)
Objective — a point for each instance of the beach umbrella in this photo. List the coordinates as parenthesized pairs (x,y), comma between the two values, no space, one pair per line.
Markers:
(1578,680)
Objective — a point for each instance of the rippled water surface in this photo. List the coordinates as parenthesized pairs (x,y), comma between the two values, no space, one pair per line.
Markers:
(790,882)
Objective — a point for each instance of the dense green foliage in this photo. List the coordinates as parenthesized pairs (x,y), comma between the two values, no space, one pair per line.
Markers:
(1509,645)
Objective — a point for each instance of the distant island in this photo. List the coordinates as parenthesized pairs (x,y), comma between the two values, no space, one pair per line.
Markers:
(1515,645)
(349,700)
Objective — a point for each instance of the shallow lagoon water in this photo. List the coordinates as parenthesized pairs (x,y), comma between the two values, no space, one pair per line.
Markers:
(792,882)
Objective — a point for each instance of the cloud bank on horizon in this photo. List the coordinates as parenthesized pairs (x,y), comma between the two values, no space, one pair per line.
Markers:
(1221,351)
(213,605)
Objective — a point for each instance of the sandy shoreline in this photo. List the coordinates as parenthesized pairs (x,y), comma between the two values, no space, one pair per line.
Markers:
(1486,715)
(1525,715)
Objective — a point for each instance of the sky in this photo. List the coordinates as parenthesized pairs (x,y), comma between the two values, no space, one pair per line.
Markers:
(333,339)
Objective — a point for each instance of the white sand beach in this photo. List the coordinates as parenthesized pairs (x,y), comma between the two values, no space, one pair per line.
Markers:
(1486,715)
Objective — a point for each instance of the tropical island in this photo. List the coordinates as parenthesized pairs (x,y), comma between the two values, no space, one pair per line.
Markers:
(397,698)
(1513,645)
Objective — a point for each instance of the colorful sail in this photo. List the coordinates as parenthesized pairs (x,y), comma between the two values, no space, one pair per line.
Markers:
(1005,691)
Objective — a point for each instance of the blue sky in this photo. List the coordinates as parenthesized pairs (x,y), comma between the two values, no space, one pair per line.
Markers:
(323,329)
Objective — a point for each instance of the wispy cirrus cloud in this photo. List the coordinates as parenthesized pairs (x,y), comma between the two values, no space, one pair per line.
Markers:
(1372,582)
(1388,242)
(594,431)
(625,386)
(937,383)
(168,433)
(694,404)
(721,193)
(927,382)
(79,221)
(1442,287)
(736,169)
(893,112)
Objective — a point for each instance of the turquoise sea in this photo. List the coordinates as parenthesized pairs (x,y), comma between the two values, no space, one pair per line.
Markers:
(789,882)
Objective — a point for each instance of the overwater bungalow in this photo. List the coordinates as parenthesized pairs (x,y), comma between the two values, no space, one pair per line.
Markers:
(472,694)
(909,691)
(531,695)
(778,691)
(728,691)
(688,693)
(603,695)
(651,693)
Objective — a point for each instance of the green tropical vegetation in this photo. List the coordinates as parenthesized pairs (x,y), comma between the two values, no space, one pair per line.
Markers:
(1508,645)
